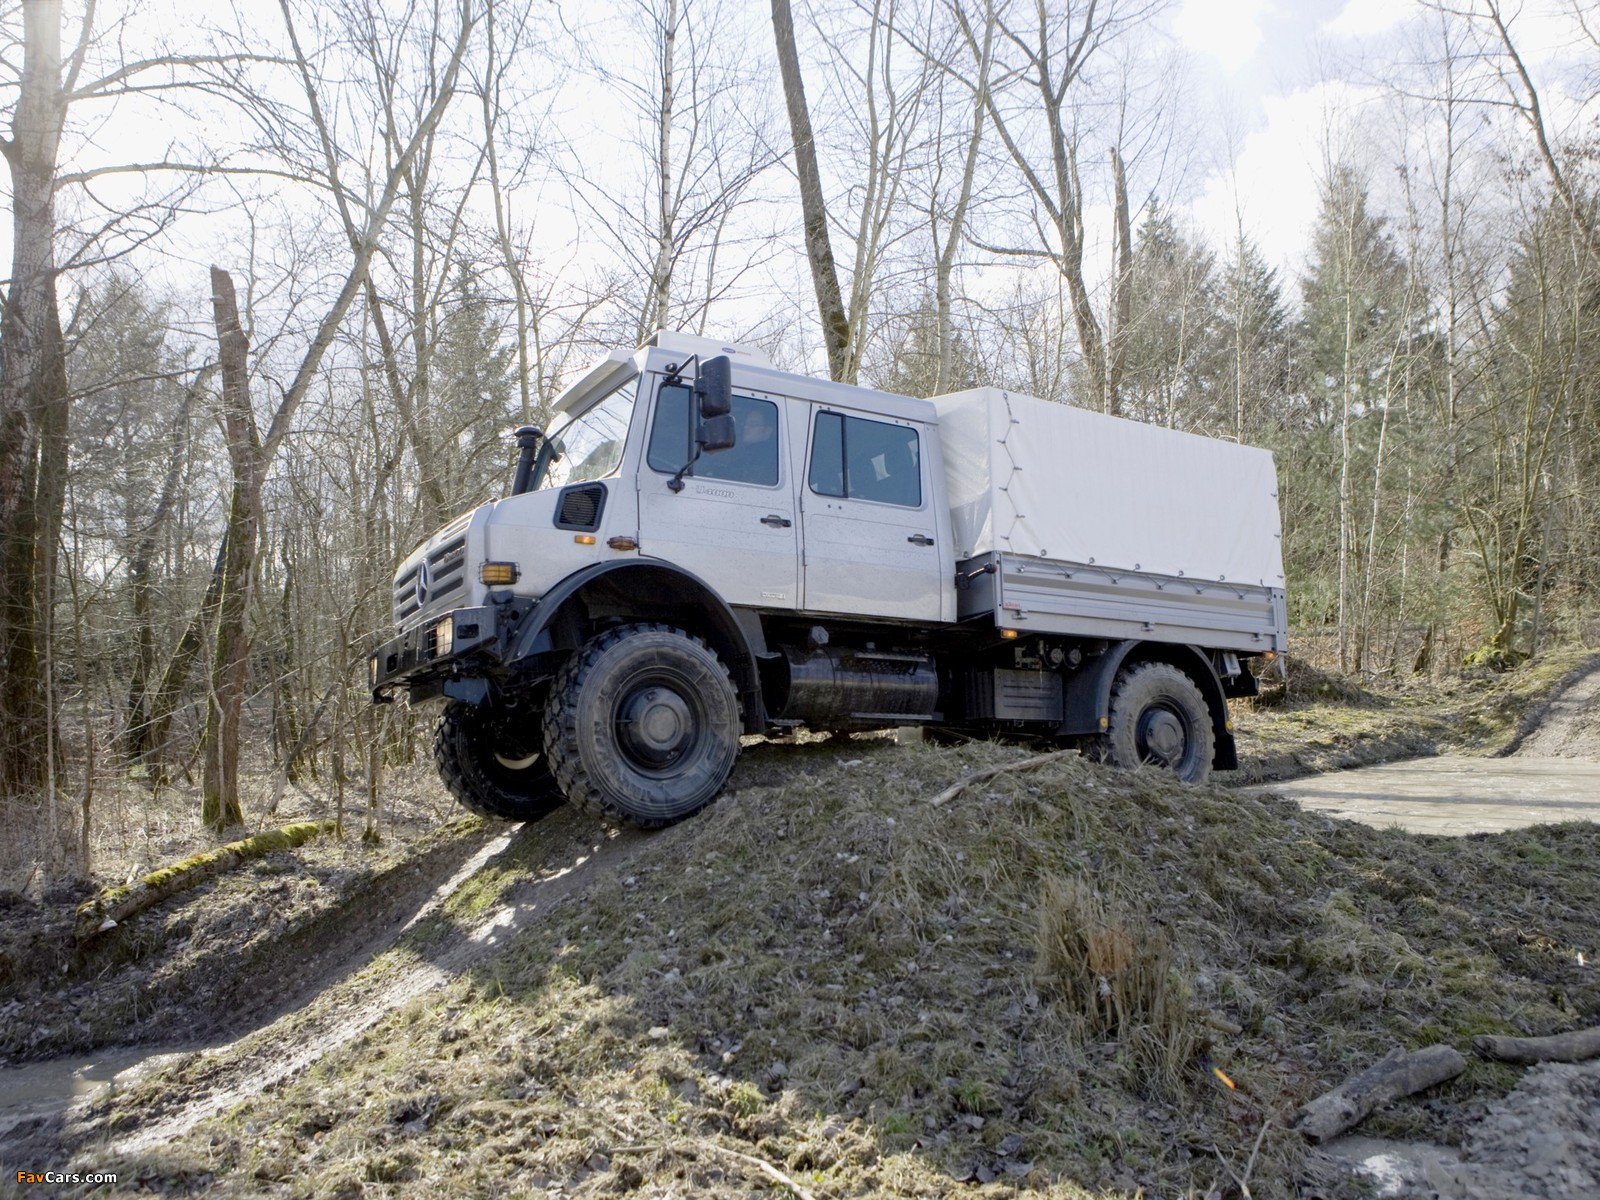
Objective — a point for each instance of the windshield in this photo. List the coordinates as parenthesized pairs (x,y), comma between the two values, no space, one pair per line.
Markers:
(588,446)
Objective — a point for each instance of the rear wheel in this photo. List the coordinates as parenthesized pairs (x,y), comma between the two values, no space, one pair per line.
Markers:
(1159,717)
(493,765)
(643,725)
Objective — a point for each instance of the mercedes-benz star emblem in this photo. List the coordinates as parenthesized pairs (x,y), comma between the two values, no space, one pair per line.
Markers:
(422,583)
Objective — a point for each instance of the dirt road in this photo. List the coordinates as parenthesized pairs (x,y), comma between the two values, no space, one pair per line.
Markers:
(1551,773)
(1451,795)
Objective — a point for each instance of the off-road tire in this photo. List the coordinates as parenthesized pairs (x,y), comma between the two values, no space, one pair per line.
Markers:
(467,746)
(1158,717)
(642,725)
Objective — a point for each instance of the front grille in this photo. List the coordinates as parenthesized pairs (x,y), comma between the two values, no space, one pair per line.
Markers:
(581,506)
(444,570)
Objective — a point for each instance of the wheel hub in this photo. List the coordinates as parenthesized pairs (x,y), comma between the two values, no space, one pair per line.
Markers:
(1162,737)
(655,725)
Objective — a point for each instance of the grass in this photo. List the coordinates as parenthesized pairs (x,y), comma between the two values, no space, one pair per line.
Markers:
(876,997)
(1031,988)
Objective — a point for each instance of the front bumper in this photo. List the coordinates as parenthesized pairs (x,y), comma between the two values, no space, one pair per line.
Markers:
(433,651)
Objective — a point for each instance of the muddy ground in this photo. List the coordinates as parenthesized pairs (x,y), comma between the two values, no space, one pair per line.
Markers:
(1542,1142)
(325,948)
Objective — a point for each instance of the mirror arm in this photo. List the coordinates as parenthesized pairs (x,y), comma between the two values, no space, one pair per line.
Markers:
(675,484)
(675,372)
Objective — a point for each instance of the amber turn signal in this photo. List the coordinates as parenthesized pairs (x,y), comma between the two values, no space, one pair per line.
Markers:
(583,539)
(623,543)
(497,573)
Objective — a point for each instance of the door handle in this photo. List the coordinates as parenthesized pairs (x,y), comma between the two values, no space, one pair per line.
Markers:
(920,539)
(776,521)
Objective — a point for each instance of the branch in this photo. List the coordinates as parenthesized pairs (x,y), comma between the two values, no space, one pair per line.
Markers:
(1579,1045)
(78,177)
(1026,764)
(127,71)
(1395,1075)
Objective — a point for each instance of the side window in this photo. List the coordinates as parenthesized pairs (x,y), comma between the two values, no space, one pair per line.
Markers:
(866,460)
(752,459)
(827,455)
(670,446)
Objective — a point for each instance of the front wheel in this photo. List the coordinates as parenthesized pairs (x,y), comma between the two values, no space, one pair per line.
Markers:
(493,765)
(1159,717)
(643,725)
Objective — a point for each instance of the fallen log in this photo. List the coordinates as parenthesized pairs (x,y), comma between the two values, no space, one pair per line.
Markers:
(1579,1045)
(115,905)
(1396,1074)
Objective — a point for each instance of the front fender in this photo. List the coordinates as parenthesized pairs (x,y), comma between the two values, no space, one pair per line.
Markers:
(641,589)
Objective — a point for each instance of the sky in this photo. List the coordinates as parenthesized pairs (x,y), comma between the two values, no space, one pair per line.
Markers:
(1276,69)
(1263,77)
(1273,68)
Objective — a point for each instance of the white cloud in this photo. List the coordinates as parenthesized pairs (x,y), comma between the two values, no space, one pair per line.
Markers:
(1272,187)
(1360,18)
(1227,30)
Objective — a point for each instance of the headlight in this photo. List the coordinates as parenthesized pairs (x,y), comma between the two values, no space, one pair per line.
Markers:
(444,637)
(499,573)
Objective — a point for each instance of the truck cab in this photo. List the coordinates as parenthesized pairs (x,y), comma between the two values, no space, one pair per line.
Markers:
(703,546)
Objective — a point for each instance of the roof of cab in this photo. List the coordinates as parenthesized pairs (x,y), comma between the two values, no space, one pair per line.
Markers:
(752,370)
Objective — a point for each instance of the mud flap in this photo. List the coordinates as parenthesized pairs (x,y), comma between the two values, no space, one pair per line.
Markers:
(469,690)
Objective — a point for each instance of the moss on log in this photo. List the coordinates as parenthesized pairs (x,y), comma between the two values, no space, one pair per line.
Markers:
(116,904)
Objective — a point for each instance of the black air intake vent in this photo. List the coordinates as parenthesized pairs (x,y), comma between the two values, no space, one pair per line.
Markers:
(581,506)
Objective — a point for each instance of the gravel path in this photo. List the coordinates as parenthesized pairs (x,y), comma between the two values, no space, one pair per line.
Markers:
(1570,727)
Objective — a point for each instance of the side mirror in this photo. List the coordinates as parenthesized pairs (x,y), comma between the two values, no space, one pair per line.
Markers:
(714,388)
(717,433)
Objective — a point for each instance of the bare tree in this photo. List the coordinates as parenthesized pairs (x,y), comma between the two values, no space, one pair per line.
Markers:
(220,794)
(33,392)
(1040,106)
(1490,17)
(813,206)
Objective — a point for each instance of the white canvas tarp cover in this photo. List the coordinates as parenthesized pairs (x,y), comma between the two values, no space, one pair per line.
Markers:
(1034,478)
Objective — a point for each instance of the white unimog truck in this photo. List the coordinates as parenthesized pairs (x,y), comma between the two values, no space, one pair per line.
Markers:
(704,547)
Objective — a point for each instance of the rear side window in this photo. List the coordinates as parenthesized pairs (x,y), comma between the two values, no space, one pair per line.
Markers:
(752,459)
(866,460)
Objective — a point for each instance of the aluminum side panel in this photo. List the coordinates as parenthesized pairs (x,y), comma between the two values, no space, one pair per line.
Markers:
(1048,597)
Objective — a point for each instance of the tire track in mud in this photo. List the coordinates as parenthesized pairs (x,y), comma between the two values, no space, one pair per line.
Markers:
(213,1081)
(1567,725)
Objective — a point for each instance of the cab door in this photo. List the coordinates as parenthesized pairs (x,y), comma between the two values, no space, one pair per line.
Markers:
(733,523)
(870,526)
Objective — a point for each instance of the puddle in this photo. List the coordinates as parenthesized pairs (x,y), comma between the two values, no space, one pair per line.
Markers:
(43,1089)
(1455,795)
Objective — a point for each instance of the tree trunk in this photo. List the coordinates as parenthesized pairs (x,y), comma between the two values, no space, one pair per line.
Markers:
(33,399)
(138,745)
(164,701)
(230,666)
(944,268)
(1395,1075)
(659,305)
(1121,290)
(824,275)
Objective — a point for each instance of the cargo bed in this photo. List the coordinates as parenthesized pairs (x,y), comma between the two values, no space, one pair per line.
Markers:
(1035,595)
